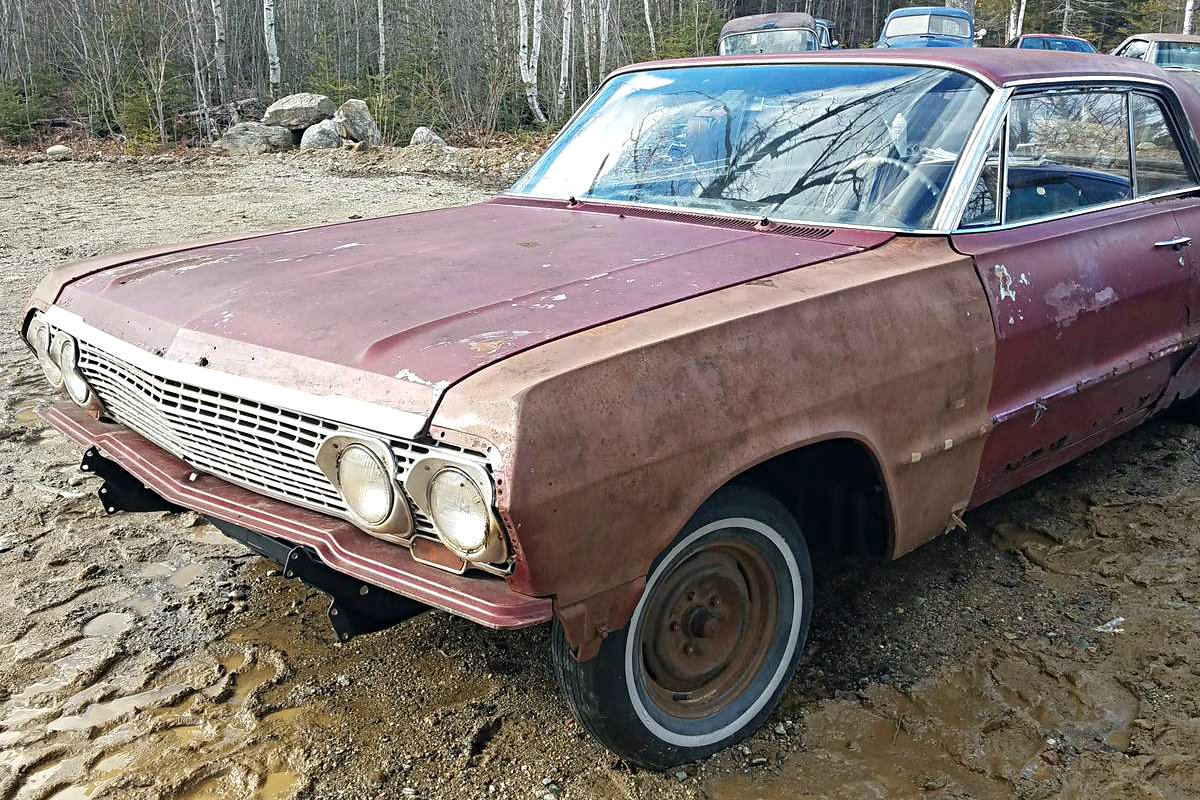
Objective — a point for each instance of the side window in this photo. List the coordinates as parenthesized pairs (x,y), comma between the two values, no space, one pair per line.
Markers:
(1135,49)
(982,206)
(1067,151)
(1160,163)
(1032,44)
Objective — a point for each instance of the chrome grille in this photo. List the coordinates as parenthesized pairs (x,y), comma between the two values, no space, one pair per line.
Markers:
(260,447)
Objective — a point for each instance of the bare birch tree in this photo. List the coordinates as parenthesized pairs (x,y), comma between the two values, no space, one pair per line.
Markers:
(1188,8)
(272,46)
(529,54)
(382,39)
(564,66)
(650,28)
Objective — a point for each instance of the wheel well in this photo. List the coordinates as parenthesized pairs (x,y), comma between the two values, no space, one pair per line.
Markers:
(836,491)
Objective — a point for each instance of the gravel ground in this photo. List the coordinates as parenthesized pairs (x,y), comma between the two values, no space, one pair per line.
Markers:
(1050,650)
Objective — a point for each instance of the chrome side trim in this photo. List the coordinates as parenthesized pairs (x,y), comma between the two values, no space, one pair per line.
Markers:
(1079,213)
(971,162)
(336,408)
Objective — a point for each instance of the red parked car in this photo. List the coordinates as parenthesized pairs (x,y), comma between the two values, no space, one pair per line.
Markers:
(739,306)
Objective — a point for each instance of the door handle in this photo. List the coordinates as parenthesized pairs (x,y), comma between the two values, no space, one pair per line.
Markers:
(1178,243)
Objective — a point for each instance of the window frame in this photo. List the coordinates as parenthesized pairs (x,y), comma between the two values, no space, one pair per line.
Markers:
(1183,135)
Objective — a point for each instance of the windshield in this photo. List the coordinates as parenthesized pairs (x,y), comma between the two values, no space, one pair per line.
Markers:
(867,144)
(777,41)
(937,24)
(1184,55)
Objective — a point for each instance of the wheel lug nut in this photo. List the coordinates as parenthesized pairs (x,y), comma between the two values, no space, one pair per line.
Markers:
(716,601)
(674,625)
(689,648)
(691,596)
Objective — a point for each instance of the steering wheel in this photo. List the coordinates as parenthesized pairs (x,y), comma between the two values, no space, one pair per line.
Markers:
(909,170)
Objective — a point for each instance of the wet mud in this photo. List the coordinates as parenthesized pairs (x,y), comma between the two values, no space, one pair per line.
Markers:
(1051,650)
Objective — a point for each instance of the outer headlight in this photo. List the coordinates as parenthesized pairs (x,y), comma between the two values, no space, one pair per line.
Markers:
(459,511)
(366,484)
(39,337)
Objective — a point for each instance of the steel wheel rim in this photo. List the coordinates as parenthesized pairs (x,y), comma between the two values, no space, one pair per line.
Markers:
(708,628)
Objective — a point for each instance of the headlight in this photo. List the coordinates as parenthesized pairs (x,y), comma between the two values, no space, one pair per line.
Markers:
(68,363)
(460,512)
(39,337)
(366,484)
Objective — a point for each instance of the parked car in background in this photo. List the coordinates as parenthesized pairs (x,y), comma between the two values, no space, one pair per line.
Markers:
(826,40)
(1171,51)
(788,32)
(1052,41)
(862,293)
(929,26)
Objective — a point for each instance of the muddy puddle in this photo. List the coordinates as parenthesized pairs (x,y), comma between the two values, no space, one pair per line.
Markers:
(1052,650)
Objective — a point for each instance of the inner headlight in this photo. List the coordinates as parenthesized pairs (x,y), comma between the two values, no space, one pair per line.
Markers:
(365,484)
(68,364)
(459,511)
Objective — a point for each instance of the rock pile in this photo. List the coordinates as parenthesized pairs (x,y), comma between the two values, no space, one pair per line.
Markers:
(304,120)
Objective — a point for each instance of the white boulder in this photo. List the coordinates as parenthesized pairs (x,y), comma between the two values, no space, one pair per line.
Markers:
(299,111)
(423,135)
(253,138)
(322,136)
(59,151)
(354,122)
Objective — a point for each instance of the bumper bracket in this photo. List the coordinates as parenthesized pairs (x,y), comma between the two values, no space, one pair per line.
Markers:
(355,608)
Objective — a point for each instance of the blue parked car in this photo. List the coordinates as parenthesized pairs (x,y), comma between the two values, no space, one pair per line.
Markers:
(929,26)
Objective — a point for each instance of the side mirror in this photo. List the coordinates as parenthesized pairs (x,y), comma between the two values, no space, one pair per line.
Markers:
(979,34)
(835,43)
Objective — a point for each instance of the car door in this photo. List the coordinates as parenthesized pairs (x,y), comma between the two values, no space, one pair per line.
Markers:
(1084,283)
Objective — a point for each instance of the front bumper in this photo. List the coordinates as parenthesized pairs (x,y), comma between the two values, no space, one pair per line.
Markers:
(486,600)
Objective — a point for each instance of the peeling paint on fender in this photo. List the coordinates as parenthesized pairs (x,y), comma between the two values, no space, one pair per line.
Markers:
(1007,292)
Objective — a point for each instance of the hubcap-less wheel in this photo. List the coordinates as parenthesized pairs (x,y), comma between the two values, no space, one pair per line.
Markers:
(713,640)
(708,629)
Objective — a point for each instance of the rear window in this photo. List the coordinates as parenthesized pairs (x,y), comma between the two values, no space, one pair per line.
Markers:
(934,24)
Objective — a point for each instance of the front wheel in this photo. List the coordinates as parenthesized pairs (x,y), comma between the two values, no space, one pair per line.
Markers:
(711,646)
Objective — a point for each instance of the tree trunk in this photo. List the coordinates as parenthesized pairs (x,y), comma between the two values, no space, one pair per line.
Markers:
(585,8)
(1188,8)
(965,5)
(219,55)
(564,66)
(1066,22)
(382,41)
(1020,19)
(650,28)
(272,46)
(529,56)
(602,6)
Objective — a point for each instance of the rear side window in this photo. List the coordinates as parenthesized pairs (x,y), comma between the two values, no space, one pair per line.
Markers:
(1033,44)
(1160,163)
(1067,151)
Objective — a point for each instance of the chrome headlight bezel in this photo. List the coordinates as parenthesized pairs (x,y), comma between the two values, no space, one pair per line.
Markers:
(420,485)
(58,354)
(397,526)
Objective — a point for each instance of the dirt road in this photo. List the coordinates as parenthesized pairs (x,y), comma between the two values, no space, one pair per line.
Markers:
(1051,650)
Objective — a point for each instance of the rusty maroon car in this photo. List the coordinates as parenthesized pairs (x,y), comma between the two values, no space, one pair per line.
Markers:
(742,306)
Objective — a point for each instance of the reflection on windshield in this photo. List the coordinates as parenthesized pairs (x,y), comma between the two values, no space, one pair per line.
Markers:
(937,24)
(1177,54)
(867,144)
(787,41)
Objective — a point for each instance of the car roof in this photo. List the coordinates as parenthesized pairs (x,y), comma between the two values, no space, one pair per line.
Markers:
(997,65)
(1051,36)
(766,22)
(946,11)
(1165,37)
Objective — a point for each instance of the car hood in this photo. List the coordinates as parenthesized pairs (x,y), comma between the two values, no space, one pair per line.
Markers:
(396,309)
